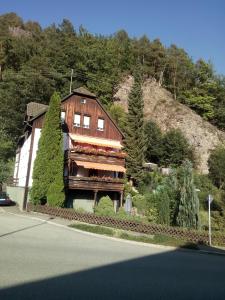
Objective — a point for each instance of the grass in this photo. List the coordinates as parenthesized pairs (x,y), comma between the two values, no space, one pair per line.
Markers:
(155,239)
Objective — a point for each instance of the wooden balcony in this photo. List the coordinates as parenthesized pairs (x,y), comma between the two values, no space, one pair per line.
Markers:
(95,183)
(98,158)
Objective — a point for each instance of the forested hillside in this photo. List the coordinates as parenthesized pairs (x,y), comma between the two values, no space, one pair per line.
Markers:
(35,61)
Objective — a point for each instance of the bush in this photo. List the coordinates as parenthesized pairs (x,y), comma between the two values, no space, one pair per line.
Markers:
(152,215)
(104,207)
(139,201)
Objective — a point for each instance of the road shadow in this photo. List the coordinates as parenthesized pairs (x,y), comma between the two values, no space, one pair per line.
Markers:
(168,275)
(24,228)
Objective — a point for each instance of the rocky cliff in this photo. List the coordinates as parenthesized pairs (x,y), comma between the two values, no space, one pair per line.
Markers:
(169,113)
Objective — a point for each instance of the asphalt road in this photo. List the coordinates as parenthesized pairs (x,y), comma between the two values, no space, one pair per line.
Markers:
(39,260)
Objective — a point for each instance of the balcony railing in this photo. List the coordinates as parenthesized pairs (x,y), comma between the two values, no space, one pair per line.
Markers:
(79,149)
(95,183)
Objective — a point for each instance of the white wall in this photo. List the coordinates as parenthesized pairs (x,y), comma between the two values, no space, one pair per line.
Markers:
(24,156)
(16,165)
(23,163)
(37,134)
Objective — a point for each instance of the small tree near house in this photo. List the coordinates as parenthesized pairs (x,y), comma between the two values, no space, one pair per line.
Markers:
(135,135)
(188,207)
(48,182)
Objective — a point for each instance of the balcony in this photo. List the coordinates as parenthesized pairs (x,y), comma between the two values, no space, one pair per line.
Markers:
(95,183)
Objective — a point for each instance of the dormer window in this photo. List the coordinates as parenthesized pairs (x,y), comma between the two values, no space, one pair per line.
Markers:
(101,124)
(86,122)
(76,121)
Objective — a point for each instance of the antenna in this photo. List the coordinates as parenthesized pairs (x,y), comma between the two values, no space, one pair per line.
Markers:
(71,80)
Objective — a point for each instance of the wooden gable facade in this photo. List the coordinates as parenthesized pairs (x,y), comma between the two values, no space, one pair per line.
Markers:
(94,159)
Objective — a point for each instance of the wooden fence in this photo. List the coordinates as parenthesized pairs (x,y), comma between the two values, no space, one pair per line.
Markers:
(140,227)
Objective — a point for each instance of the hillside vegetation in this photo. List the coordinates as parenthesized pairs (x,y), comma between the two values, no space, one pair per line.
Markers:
(36,61)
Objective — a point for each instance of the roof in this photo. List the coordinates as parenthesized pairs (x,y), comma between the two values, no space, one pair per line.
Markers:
(83,91)
(34,108)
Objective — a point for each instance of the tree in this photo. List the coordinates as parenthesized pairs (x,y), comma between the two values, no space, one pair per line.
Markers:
(154,146)
(175,148)
(135,137)
(217,167)
(119,115)
(188,208)
(48,165)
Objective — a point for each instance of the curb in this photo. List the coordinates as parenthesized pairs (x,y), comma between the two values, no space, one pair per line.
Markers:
(168,248)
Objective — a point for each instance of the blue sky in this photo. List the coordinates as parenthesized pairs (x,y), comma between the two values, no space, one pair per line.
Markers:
(197,26)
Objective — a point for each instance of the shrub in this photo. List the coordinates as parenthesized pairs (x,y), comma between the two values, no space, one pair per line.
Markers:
(152,214)
(104,207)
(139,201)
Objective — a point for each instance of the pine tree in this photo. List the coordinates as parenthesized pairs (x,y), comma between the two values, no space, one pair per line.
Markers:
(48,166)
(188,208)
(135,137)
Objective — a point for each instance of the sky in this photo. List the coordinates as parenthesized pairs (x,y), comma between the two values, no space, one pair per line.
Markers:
(197,26)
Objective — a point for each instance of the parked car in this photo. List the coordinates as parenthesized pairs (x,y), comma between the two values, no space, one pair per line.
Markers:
(5,200)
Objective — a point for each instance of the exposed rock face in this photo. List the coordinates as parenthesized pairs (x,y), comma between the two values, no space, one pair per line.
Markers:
(169,113)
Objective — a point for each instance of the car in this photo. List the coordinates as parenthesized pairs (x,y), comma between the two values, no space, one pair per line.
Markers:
(5,200)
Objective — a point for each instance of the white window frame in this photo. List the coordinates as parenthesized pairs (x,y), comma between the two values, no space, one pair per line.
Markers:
(76,120)
(101,124)
(86,121)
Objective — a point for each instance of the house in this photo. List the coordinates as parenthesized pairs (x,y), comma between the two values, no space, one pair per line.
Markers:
(92,141)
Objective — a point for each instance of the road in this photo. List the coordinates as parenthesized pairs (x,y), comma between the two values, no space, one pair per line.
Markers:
(39,260)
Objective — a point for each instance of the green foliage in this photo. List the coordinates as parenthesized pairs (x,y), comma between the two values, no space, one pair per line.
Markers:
(206,187)
(217,167)
(119,115)
(135,137)
(6,170)
(154,144)
(188,209)
(169,149)
(175,148)
(48,166)
(139,201)
(56,194)
(94,229)
(6,151)
(104,207)
(37,61)
(163,206)
(121,214)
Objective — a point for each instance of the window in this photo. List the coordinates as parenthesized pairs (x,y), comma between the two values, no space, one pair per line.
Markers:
(83,101)
(86,123)
(76,121)
(63,116)
(101,124)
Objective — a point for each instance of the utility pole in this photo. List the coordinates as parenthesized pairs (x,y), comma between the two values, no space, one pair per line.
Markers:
(71,80)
